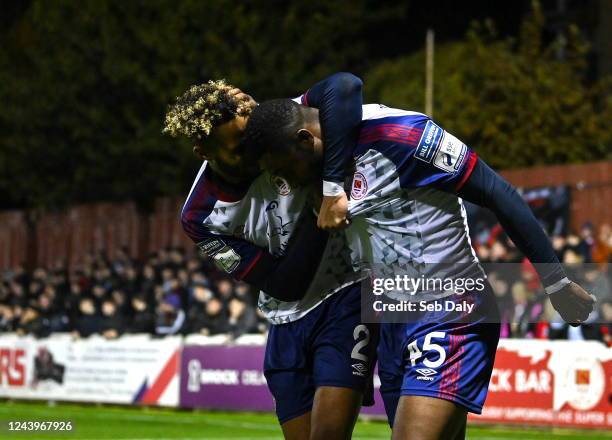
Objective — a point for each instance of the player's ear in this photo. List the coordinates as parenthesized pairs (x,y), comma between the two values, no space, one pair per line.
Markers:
(197,150)
(305,139)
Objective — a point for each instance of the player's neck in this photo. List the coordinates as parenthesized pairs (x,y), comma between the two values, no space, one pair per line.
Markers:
(233,178)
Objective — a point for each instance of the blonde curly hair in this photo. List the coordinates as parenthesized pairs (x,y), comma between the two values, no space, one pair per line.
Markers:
(201,108)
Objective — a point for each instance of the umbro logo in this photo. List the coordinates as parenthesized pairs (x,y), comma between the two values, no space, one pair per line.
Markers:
(425,373)
(359,369)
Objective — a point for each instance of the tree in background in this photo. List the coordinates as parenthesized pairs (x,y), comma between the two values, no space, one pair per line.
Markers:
(84,85)
(514,100)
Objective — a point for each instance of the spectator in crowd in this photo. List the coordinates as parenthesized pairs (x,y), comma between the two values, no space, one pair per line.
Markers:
(212,320)
(199,295)
(170,316)
(112,321)
(143,320)
(124,305)
(197,309)
(89,322)
(586,243)
(52,319)
(149,281)
(17,312)
(99,293)
(602,248)
(501,289)
(242,318)
(33,324)
(603,330)
(558,243)
(71,302)
(597,283)
(15,293)
(225,289)
(6,318)
(129,281)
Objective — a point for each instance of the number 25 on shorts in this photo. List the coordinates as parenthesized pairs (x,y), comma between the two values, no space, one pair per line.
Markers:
(428,346)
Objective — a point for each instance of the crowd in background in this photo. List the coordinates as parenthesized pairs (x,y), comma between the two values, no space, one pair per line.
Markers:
(172,293)
(169,293)
(524,308)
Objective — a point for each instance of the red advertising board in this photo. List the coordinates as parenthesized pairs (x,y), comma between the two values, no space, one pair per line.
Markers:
(562,383)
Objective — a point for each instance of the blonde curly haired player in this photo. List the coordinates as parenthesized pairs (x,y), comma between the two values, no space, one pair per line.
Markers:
(203,106)
(319,356)
(218,105)
(214,116)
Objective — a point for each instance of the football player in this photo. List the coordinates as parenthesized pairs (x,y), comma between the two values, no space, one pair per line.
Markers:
(409,179)
(258,228)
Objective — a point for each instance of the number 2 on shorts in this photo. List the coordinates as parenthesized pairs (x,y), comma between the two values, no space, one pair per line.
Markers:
(361,329)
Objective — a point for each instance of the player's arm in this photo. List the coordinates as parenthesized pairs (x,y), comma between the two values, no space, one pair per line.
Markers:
(486,188)
(285,278)
(339,100)
(440,160)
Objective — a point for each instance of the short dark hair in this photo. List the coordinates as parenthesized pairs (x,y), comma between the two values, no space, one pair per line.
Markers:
(272,125)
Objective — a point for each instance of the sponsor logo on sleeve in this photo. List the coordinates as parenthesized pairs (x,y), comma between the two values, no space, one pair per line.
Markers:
(211,246)
(223,255)
(359,188)
(450,154)
(227,259)
(429,142)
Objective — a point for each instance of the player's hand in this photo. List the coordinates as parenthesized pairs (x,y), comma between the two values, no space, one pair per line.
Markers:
(333,212)
(241,96)
(573,303)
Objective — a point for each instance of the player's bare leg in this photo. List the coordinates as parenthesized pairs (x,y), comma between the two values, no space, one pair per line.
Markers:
(334,413)
(298,428)
(461,434)
(428,418)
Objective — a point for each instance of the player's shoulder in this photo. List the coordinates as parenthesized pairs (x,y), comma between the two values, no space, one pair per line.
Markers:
(391,127)
(375,112)
(209,188)
(199,203)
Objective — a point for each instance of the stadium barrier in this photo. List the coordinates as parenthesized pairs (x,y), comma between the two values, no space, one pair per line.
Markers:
(559,383)
(128,370)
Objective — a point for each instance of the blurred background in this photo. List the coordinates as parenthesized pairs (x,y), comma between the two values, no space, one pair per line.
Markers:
(90,190)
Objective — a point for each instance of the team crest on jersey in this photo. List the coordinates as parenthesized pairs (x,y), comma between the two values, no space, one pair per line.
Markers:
(359,188)
(281,185)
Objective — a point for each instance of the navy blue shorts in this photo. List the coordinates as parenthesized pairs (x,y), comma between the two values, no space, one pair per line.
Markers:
(327,347)
(446,360)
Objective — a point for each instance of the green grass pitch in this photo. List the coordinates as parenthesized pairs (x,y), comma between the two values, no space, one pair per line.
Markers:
(104,422)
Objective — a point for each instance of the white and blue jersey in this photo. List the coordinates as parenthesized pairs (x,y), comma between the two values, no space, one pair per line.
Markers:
(234,231)
(405,215)
(320,339)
